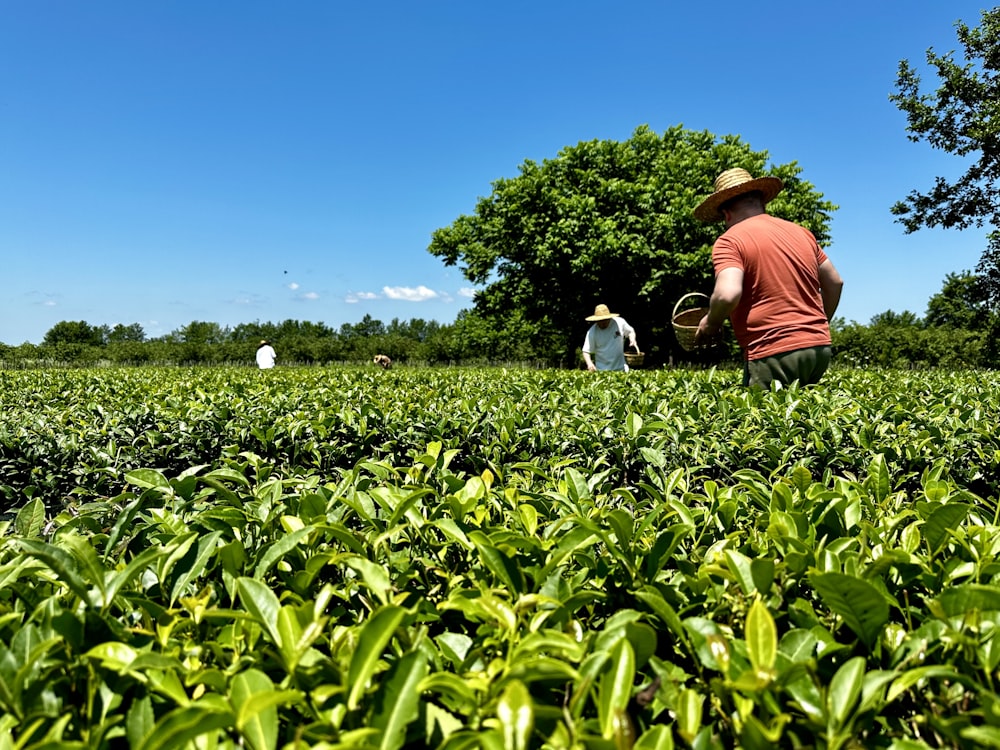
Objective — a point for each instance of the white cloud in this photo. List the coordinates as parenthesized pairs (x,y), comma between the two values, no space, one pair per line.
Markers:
(409,294)
(309,295)
(49,303)
(293,285)
(355,297)
(467,291)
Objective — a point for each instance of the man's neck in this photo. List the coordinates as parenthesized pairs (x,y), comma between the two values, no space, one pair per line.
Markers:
(735,217)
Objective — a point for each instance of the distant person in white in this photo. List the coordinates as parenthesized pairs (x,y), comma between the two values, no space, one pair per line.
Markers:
(604,344)
(265,356)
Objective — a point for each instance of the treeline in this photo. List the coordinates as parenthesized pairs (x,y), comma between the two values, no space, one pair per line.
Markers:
(960,329)
(416,341)
(904,341)
(889,340)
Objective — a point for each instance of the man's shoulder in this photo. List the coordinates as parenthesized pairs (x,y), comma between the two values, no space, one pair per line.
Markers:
(761,224)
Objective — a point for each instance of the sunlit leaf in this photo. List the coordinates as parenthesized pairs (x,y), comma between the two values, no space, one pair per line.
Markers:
(845,689)
(516,713)
(761,639)
(615,687)
(30,518)
(183,725)
(375,634)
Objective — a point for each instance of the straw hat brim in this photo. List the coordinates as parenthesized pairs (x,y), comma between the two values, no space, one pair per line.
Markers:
(708,210)
(595,318)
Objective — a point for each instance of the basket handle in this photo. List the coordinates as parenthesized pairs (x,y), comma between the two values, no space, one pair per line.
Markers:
(689,294)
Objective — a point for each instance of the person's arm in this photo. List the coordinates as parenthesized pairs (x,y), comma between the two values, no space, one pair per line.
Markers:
(830,287)
(586,353)
(725,297)
(629,333)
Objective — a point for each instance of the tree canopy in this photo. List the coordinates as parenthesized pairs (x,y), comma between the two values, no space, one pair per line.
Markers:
(961,117)
(959,304)
(74,332)
(606,222)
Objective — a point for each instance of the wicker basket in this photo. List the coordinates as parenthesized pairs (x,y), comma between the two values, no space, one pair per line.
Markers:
(634,359)
(686,321)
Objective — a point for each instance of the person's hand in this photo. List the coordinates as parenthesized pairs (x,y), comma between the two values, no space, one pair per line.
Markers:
(706,332)
(591,367)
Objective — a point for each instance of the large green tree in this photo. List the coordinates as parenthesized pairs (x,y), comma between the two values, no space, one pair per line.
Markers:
(960,304)
(961,117)
(607,221)
(74,332)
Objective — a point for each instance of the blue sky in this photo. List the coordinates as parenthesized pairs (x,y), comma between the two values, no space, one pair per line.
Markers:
(238,161)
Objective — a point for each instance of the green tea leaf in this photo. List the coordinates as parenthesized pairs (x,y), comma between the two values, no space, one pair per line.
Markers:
(761,639)
(615,688)
(657,737)
(30,518)
(516,712)
(653,599)
(182,725)
(455,692)
(801,479)
(762,573)
(878,481)
(689,708)
(255,703)
(941,522)
(299,627)
(960,601)
(844,691)
(577,488)
(499,563)
(61,563)
(911,677)
(397,704)
(799,645)
(375,577)
(861,605)
(193,565)
(376,633)
(739,566)
(285,544)
(147,479)
(262,604)
(224,474)
(139,720)
(113,655)
(654,457)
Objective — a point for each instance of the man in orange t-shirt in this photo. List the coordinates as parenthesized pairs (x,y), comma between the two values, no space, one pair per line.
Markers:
(772,280)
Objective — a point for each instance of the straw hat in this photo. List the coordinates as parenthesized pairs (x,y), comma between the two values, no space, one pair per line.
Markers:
(601,312)
(735,182)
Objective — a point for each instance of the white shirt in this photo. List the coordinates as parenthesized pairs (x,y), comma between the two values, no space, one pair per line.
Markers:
(606,346)
(266,357)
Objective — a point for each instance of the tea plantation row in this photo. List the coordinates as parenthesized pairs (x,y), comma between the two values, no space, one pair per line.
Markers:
(343,558)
